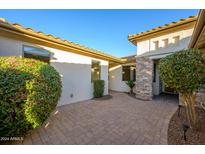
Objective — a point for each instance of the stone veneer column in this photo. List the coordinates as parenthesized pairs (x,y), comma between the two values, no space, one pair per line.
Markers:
(144,71)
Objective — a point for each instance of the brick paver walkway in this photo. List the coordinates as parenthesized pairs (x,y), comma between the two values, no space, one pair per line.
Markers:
(120,120)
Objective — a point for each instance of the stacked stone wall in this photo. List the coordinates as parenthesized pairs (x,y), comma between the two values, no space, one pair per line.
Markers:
(144,77)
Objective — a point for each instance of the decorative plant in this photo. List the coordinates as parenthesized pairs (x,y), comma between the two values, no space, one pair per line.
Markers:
(98,88)
(29,91)
(185,72)
(131,84)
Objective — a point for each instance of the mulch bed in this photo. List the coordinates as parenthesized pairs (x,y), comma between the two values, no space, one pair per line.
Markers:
(175,131)
(106,97)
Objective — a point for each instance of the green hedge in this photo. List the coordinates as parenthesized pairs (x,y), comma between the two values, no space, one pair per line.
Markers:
(98,88)
(29,92)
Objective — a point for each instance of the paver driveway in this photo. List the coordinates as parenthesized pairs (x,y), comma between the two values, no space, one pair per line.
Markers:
(119,120)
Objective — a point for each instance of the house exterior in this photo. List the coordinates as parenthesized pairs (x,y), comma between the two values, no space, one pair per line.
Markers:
(198,41)
(77,65)
(120,73)
(153,45)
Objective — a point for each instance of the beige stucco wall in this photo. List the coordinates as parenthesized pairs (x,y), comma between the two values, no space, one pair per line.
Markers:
(74,69)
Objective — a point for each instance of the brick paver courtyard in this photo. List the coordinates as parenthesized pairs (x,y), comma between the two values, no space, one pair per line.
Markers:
(119,120)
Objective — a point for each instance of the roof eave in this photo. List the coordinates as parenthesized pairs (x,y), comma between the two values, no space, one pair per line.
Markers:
(136,37)
(200,23)
(29,33)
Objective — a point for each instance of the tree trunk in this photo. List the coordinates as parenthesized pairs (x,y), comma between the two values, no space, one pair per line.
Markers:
(131,90)
(189,101)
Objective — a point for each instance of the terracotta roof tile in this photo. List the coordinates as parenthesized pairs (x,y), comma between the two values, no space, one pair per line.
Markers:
(58,39)
(172,24)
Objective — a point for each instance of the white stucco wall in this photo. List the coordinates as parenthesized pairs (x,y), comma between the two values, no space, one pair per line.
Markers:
(115,80)
(75,70)
(10,47)
(148,45)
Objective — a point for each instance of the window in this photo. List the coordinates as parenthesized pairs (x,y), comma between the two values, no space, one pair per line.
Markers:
(176,39)
(133,73)
(36,53)
(95,70)
(166,42)
(156,45)
(125,73)
(128,73)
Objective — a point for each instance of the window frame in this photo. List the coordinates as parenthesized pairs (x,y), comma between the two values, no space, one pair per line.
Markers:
(156,45)
(95,61)
(176,38)
(132,73)
(165,42)
(26,52)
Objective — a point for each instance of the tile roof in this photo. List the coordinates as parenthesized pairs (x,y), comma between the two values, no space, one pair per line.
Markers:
(19,28)
(164,27)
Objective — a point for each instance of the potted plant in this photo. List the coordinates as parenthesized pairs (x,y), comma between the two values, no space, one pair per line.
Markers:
(131,84)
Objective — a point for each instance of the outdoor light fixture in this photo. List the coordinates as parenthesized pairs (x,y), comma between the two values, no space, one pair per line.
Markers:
(185,127)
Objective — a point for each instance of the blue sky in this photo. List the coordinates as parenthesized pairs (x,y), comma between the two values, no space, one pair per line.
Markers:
(104,30)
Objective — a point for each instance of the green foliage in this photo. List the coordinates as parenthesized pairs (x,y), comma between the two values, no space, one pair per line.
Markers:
(184,70)
(98,88)
(29,91)
(131,84)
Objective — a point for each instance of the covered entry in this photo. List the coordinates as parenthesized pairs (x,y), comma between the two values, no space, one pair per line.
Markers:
(157,84)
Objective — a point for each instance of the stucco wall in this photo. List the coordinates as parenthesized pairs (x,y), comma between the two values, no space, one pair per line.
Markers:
(74,69)
(115,80)
(10,47)
(148,45)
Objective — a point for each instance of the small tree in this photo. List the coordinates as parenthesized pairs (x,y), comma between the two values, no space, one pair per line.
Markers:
(184,71)
(131,84)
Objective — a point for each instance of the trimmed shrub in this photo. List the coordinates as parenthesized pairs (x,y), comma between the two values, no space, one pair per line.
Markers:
(98,88)
(29,92)
(184,71)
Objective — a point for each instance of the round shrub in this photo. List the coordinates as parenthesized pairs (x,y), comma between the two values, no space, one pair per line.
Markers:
(29,92)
